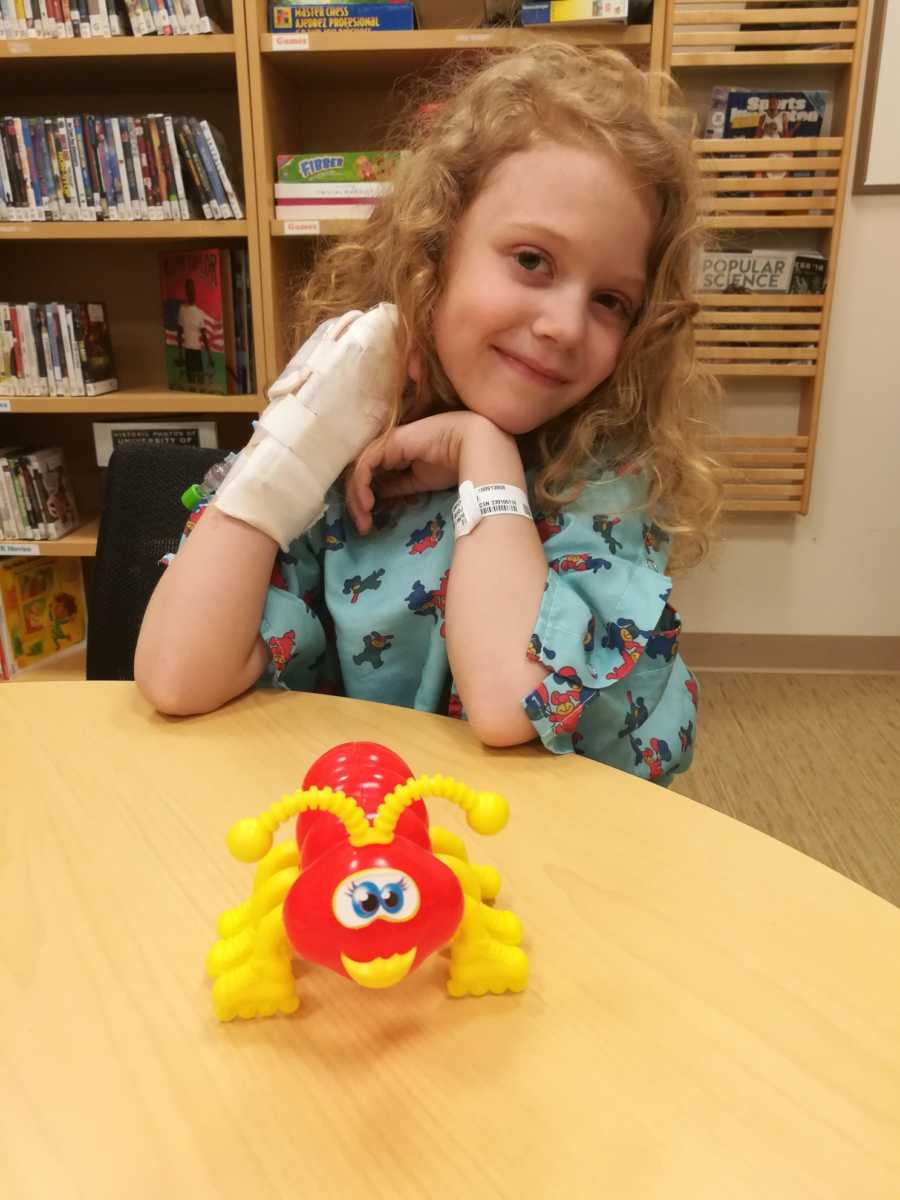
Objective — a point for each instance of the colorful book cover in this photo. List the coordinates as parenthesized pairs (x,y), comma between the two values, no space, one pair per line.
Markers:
(43,607)
(340,18)
(193,298)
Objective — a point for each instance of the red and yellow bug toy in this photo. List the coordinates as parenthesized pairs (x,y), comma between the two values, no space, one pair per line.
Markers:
(367,888)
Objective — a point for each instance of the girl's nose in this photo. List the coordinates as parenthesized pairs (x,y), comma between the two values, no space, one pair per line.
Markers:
(561,318)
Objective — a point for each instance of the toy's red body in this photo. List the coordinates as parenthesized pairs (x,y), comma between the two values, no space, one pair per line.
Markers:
(361,904)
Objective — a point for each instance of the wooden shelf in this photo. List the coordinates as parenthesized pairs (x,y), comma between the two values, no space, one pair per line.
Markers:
(313,228)
(116,47)
(723,35)
(365,57)
(759,335)
(764,474)
(135,400)
(81,543)
(120,231)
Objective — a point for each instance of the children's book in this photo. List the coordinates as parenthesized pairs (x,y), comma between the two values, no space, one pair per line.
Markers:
(42,609)
(198,320)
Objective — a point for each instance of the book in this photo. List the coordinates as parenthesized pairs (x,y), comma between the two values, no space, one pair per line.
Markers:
(575,12)
(760,112)
(762,271)
(340,18)
(42,609)
(194,289)
(110,435)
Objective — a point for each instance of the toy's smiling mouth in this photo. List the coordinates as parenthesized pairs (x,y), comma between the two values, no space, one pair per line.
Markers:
(380,972)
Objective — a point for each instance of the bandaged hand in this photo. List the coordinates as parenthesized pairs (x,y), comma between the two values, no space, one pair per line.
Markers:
(330,402)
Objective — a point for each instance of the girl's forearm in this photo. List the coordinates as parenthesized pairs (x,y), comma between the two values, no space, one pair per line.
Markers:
(199,643)
(494,594)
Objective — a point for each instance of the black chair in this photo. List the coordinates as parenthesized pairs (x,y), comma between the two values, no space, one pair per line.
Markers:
(143,519)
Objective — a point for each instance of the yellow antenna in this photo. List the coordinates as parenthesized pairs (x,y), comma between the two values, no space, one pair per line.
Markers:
(251,839)
(486,812)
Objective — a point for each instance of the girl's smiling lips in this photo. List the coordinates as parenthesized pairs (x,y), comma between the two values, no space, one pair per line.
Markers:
(529,368)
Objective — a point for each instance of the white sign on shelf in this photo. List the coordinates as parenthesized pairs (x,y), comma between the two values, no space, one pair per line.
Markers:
(301,228)
(19,548)
(5,405)
(290,41)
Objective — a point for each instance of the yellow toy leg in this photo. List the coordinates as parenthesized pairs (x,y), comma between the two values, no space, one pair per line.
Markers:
(484,954)
(444,842)
(251,962)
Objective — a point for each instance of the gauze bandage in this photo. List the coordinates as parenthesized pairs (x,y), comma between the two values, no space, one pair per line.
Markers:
(328,404)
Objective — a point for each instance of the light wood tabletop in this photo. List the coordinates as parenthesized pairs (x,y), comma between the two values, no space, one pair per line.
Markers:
(710,1014)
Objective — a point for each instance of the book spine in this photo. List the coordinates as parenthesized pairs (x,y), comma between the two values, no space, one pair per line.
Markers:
(175,157)
(234,204)
(185,141)
(127,212)
(211,179)
(137,168)
(42,372)
(98,198)
(128,161)
(157,141)
(32,214)
(115,178)
(83,152)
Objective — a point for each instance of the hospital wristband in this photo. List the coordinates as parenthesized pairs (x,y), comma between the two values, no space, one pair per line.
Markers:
(487,500)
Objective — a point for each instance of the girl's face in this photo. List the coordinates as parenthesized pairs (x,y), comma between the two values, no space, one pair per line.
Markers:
(543,278)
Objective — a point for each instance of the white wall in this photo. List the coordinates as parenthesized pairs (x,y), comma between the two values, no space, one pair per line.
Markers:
(836,570)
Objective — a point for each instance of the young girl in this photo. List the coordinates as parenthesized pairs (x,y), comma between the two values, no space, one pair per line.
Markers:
(517,407)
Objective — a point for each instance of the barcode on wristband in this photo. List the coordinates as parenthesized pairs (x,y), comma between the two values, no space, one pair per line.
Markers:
(493,507)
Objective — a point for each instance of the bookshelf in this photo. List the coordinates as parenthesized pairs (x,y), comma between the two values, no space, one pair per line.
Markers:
(273,94)
(117,261)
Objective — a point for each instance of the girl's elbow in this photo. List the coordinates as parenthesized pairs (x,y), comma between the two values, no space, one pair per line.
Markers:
(500,726)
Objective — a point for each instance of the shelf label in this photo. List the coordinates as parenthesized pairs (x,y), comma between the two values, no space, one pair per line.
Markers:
(486,35)
(301,228)
(19,227)
(19,548)
(5,405)
(18,46)
(290,41)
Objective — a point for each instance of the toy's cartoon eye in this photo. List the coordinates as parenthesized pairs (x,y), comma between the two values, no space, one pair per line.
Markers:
(378,892)
(365,900)
(400,899)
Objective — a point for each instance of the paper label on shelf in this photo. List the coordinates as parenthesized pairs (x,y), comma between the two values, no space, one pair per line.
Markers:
(19,46)
(19,548)
(301,228)
(486,35)
(17,228)
(5,405)
(290,41)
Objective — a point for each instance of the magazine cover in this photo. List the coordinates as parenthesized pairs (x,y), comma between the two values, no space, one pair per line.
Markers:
(43,608)
(195,285)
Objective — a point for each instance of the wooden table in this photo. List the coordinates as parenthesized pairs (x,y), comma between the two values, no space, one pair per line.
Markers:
(710,1015)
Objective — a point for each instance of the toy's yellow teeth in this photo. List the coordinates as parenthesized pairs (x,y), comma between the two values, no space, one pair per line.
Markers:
(380,972)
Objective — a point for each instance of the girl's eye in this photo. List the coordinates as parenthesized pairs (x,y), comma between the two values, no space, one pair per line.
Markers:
(531,260)
(615,304)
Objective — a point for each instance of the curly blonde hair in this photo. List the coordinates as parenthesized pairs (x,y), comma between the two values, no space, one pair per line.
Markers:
(653,407)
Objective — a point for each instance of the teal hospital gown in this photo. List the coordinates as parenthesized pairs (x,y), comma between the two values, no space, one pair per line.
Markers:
(364,617)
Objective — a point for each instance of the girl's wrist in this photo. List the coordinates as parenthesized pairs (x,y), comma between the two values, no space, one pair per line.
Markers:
(489,455)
